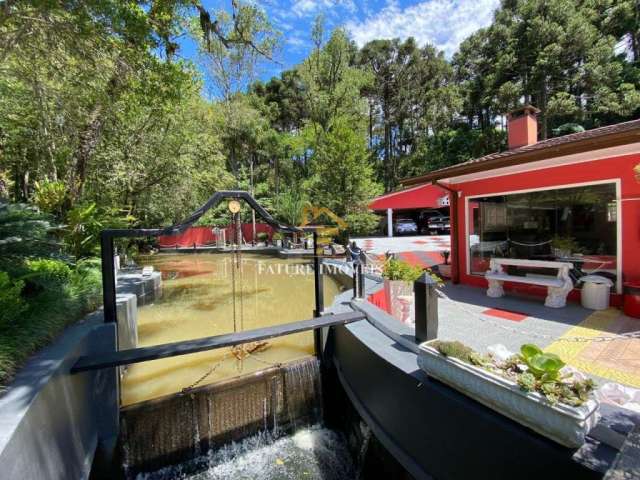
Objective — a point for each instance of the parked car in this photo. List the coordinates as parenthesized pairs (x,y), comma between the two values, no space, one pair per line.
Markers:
(439,225)
(423,220)
(405,226)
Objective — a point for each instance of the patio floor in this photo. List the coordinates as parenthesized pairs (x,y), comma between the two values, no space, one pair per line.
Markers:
(471,317)
(423,250)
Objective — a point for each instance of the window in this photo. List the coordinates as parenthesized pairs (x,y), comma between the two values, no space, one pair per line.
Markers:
(577,224)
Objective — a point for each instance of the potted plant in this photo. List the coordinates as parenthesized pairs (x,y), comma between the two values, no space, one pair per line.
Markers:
(398,282)
(445,268)
(530,387)
(277,239)
(564,246)
(262,237)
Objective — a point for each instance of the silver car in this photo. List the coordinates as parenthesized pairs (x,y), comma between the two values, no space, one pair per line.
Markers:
(405,226)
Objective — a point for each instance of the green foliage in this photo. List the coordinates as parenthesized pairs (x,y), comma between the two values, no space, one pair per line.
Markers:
(394,269)
(84,224)
(50,196)
(47,273)
(11,303)
(362,223)
(543,366)
(341,178)
(262,236)
(532,369)
(290,207)
(24,231)
(459,350)
(565,243)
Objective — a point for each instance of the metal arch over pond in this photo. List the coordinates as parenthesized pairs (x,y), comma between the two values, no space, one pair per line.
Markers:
(136,355)
(107,236)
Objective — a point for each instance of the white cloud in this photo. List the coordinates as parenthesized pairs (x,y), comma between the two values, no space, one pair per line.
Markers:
(443,23)
(307,8)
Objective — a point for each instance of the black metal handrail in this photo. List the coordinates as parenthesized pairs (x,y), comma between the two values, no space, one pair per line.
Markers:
(145,354)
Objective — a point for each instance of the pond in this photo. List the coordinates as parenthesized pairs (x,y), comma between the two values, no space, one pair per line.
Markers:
(205,294)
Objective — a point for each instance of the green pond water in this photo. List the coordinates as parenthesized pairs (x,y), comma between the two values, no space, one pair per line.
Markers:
(207,294)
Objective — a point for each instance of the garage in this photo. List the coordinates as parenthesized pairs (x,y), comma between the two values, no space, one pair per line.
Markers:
(418,210)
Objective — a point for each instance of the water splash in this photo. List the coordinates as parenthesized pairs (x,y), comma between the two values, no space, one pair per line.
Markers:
(313,453)
(182,427)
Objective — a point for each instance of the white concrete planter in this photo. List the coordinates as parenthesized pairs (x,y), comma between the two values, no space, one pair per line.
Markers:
(393,291)
(565,424)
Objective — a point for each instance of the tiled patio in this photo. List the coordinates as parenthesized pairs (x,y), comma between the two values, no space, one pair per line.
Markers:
(470,316)
(423,250)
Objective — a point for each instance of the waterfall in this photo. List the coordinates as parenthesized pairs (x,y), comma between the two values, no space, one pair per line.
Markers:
(180,427)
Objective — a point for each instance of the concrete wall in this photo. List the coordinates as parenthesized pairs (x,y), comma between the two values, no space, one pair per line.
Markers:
(54,424)
(51,422)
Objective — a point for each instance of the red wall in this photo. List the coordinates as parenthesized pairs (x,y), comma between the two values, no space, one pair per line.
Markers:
(597,170)
(203,235)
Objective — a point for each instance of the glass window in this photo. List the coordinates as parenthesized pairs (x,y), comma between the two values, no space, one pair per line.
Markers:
(575,224)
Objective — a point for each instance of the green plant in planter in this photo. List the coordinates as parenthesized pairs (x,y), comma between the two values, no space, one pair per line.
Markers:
(543,375)
(567,244)
(543,366)
(394,269)
(532,369)
(460,351)
(277,236)
(262,236)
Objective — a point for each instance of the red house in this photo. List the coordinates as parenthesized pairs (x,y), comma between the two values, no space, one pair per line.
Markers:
(574,198)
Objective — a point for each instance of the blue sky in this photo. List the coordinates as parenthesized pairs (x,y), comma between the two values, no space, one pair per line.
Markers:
(444,23)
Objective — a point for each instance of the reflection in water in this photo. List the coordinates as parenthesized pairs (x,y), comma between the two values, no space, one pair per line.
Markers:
(199,300)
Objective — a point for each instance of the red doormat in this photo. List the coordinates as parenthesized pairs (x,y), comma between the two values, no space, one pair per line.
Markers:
(505,314)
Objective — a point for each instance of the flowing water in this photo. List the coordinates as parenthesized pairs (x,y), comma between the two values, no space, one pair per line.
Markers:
(313,453)
(206,294)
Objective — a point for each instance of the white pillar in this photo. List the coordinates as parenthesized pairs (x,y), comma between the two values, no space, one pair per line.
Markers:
(389,222)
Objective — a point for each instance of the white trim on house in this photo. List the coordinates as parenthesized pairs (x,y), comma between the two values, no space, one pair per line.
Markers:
(593,155)
(616,181)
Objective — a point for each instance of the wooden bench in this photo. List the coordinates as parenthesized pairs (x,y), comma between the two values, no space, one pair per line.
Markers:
(557,288)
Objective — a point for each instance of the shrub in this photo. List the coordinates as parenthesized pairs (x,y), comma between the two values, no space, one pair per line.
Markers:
(50,196)
(85,284)
(12,304)
(24,232)
(84,224)
(362,224)
(394,269)
(262,236)
(46,272)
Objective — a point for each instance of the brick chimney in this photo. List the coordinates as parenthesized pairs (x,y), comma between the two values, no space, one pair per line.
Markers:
(522,126)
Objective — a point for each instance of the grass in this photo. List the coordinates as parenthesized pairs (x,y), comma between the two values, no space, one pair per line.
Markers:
(49,310)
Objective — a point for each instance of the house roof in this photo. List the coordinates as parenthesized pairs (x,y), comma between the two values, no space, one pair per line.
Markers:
(422,196)
(594,139)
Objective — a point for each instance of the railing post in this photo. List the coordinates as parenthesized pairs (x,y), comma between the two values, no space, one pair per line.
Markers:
(358,281)
(360,276)
(108,277)
(426,308)
(319,293)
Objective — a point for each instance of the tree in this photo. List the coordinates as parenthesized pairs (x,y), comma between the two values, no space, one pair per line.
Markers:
(551,55)
(332,82)
(411,96)
(342,178)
